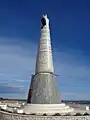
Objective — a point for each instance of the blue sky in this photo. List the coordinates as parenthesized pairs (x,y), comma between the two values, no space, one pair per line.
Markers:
(70,35)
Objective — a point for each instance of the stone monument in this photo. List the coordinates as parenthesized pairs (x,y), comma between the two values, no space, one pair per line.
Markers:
(43,96)
(43,89)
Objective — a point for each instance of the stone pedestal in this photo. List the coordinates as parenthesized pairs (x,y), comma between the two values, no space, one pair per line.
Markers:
(49,109)
(43,89)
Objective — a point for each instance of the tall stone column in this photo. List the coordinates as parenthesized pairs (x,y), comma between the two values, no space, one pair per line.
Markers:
(43,88)
(44,62)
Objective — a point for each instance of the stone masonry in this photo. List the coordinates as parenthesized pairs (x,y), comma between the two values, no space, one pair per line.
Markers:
(10,116)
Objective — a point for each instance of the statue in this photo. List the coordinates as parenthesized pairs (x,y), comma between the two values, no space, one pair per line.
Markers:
(44,21)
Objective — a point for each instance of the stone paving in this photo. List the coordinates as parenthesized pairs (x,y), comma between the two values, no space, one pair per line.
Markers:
(10,116)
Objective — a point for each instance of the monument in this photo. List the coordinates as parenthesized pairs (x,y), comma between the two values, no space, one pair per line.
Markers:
(43,96)
(43,89)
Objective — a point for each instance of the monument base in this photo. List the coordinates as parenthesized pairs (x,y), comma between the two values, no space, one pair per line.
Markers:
(49,109)
(43,89)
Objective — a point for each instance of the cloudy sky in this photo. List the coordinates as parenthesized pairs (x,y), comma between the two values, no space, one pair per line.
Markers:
(70,35)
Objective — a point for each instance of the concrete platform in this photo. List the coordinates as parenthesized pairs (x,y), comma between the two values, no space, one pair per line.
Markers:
(49,109)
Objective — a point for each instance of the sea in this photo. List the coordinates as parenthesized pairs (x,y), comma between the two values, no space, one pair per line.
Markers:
(76,101)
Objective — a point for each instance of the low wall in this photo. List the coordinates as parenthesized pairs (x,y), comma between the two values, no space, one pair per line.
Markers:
(9,116)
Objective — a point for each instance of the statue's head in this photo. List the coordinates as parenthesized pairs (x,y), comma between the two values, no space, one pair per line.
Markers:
(44,21)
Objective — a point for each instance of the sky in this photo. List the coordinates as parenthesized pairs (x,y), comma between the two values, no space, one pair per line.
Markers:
(70,37)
